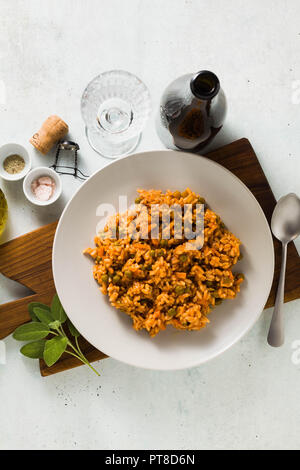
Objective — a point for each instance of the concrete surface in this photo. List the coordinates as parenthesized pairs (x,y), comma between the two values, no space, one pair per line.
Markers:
(49,50)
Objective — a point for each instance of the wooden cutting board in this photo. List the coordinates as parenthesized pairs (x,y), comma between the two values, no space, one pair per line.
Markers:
(27,259)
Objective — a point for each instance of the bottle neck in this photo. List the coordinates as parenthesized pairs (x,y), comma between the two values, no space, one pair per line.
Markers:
(205,85)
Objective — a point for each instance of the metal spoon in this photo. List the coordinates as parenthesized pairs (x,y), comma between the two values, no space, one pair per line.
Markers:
(285,226)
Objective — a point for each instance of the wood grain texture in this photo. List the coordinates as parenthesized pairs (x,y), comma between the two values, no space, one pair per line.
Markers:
(27,259)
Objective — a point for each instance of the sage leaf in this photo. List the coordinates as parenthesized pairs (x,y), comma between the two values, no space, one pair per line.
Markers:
(47,320)
(43,315)
(32,305)
(34,350)
(31,331)
(57,310)
(54,348)
(74,332)
(54,325)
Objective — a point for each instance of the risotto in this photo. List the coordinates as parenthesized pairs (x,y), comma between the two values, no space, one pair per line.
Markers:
(159,281)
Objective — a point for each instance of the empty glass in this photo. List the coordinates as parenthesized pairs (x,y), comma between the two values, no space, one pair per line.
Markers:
(115,107)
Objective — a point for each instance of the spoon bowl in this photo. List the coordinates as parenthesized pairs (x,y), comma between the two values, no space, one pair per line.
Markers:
(285,221)
(285,226)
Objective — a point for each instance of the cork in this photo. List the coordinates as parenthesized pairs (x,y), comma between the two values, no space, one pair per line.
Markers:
(52,130)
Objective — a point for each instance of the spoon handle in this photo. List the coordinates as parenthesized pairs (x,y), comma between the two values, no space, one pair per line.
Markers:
(276,331)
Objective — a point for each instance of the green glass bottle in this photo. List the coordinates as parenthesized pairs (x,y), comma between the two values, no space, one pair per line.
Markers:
(192,111)
(3,211)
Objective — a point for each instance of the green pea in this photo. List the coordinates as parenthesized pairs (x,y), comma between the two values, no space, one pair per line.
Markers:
(179,290)
(163,243)
(128,274)
(183,258)
(104,278)
(152,253)
(201,200)
(218,301)
(138,200)
(172,312)
(116,279)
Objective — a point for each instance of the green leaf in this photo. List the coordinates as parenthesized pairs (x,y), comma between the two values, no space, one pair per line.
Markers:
(31,331)
(54,325)
(54,348)
(32,305)
(43,315)
(74,332)
(34,350)
(57,310)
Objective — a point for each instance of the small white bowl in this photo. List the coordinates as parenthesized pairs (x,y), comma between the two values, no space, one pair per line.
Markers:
(35,174)
(12,149)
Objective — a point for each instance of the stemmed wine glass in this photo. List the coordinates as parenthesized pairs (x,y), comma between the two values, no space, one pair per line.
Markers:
(115,107)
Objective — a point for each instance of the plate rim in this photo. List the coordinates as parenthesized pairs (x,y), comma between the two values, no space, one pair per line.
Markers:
(255,317)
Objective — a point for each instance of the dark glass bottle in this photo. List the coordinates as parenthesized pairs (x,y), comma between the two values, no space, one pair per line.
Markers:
(192,111)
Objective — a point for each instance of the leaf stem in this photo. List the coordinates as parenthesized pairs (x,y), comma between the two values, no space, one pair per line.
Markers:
(73,347)
(51,332)
(62,331)
(91,367)
(75,355)
(84,361)
(78,353)
(78,347)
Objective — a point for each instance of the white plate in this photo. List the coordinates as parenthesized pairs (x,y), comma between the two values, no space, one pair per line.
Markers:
(110,330)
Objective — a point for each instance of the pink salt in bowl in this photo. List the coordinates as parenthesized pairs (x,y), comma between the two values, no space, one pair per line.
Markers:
(42,186)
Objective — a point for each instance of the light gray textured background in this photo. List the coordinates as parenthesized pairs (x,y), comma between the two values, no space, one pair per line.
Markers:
(249,397)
